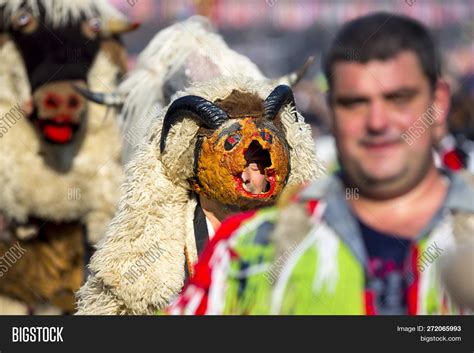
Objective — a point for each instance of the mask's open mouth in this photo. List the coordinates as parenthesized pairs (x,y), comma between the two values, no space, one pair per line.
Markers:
(59,111)
(58,130)
(257,180)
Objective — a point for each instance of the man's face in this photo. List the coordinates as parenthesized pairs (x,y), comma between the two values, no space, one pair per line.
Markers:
(373,105)
(253,176)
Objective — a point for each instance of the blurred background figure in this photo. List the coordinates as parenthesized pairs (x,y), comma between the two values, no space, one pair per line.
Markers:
(60,168)
(457,148)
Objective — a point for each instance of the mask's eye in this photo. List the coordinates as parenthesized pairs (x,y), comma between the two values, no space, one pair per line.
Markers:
(266,136)
(23,19)
(231,141)
(91,28)
(24,22)
(95,24)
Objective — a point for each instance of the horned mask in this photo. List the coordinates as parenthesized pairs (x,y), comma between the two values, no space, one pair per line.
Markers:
(233,133)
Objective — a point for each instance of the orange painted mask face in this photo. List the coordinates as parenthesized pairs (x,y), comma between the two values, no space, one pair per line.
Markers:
(241,156)
(228,158)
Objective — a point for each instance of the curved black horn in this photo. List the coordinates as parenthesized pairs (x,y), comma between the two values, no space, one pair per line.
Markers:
(205,111)
(279,97)
(108,99)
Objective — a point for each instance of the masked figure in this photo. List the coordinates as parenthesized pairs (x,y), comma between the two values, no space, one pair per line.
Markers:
(229,144)
(59,157)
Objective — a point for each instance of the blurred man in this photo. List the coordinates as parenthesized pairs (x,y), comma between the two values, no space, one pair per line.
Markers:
(366,240)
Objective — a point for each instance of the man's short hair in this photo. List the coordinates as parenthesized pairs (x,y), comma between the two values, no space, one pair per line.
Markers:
(382,36)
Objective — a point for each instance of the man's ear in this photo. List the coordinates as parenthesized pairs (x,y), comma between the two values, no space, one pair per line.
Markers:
(440,108)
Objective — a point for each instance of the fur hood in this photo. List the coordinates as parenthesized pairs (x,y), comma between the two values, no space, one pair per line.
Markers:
(157,206)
